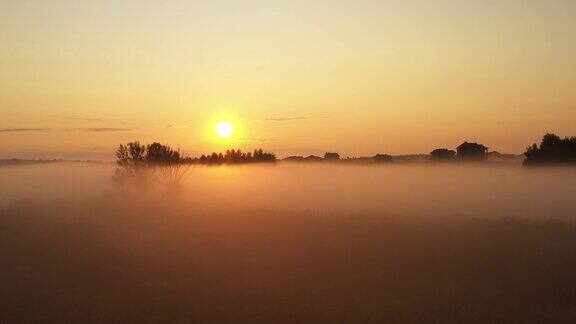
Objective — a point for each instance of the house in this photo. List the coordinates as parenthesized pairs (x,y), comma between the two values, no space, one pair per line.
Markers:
(331,156)
(471,151)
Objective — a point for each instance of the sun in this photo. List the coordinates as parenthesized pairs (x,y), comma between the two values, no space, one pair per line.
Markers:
(224,129)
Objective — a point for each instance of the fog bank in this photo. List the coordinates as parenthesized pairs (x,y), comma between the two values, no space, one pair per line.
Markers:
(401,190)
(288,243)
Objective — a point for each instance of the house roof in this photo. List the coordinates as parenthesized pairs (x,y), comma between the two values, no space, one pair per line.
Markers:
(467,144)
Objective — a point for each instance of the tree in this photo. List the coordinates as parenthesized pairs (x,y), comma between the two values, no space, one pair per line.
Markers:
(331,156)
(443,154)
(137,163)
(552,149)
(132,153)
(122,155)
(382,158)
(162,154)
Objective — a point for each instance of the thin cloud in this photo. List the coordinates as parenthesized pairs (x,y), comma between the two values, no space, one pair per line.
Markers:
(105,129)
(77,118)
(96,130)
(253,139)
(273,120)
(22,130)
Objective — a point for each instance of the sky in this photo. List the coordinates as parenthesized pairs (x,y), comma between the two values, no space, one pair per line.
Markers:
(358,77)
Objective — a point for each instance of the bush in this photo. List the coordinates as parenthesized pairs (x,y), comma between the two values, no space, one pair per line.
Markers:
(552,149)
(443,154)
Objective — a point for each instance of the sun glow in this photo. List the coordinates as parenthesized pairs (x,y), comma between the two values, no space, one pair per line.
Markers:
(224,129)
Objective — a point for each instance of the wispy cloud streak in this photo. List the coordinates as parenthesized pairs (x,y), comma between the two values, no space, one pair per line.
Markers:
(22,130)
(77,118)
(96,130)
(104,129)
(258,140)
(276,120)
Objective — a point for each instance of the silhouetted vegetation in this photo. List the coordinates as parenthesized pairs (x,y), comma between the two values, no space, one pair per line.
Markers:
(332,157)
(131,156)
(236,157)
(443,154)
(329,156)
(465,152)
(358,160)
(136,154)
(138,165)
(552,149)
(335,157)
(382,158)
(156,154)
(313,158)
(294,158)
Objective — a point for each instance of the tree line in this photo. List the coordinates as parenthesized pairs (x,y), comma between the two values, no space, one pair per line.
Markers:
(134,153)
(552,150)
(156,154)
(236,157)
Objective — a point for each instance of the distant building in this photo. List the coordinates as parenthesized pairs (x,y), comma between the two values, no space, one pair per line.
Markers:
(382,158)
(443,154)
(312,158)
(295,158)
(471,151)
(331,156)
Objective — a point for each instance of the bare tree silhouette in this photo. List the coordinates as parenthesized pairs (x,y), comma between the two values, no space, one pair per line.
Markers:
(138,164)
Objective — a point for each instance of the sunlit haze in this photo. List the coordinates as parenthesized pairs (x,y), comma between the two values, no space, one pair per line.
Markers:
(357,77)
(288,161)
(224,129)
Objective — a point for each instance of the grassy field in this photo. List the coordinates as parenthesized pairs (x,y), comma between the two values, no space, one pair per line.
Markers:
(119,259)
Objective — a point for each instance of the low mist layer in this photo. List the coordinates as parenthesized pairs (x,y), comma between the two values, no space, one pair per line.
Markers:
(438,191)
(289,243)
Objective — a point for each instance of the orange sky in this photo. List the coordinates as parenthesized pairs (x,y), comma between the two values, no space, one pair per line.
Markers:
(358,77)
